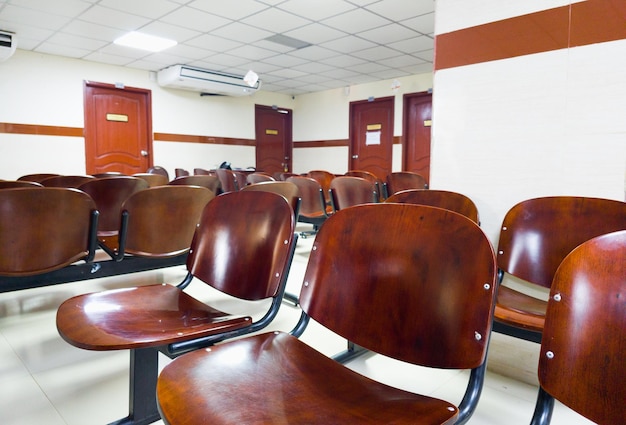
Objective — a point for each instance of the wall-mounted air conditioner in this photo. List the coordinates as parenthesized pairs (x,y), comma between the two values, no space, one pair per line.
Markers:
(8,44)
(204,81)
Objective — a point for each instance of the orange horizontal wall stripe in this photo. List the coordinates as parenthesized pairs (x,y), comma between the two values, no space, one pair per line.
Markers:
(41,130)
(578,24)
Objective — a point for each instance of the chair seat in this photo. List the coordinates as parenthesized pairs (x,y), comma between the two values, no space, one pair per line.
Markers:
(518,309)
(278,370)
(149,316)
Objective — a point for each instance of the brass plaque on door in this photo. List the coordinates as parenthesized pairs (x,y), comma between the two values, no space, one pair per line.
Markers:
(117,117)
(374,127)
(272,132)
(428,123)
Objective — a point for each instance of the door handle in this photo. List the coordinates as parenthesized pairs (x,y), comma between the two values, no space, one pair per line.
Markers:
(144,153)
(355,157)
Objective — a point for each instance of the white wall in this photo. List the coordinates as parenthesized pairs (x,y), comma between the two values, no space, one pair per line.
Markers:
(544,124)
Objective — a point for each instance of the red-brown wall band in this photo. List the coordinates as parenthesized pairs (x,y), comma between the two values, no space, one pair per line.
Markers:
(578,24)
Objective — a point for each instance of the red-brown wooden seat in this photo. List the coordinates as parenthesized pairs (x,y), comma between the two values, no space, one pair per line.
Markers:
(367,175)
(287,190)
(66,181)
(453,201)
(180,172)
(259,177)
(45,229)
(109,193)
(347,191)
(582,360)
(11,184)
(153,179)
(203,172)
(243,247)
(324,178)
(38,177)
(204,180)
(536,235)
(403,180)
(157,169)
(397,279)
(313,208)
(160,222)
(228,180)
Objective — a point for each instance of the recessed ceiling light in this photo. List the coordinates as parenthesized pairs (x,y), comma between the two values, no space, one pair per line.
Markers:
(147,42)
(288,41)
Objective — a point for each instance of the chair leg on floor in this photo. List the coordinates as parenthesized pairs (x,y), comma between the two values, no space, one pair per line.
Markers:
(353,351)
(144,369)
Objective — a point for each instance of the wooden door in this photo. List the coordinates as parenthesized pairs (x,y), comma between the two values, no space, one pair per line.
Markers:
(118,128)
(274,142)
(417,120)
(371,136)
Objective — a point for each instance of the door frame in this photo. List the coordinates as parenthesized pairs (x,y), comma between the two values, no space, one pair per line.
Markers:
(89,129)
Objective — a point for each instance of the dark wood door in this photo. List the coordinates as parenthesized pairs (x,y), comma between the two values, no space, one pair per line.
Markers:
(274,142)
(371,136)
(118,129)
(417,122)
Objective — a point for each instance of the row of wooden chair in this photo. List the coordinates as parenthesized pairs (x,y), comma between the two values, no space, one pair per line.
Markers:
(413,282)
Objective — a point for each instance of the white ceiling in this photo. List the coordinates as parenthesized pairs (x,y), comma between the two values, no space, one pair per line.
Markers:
(352,41)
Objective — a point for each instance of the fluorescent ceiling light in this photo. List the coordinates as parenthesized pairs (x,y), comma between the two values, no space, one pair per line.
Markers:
(288,41)
(147,42)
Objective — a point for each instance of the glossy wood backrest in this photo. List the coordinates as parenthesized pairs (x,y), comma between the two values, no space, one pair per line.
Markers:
(157,169)
(162,220)
(404,180)
(311,195)
(109,193)
(258,178)
(538,233)
(453,201)
(43,229)
(153,179)
(36,177)
(66,181)
(204,180)
(347,191)
(228,180)
(417,286)
(11,184)
(324,178)
(583,351)
(251,228)
(287,190)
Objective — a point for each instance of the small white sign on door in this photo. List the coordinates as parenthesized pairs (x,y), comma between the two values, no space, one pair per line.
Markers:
(372,138)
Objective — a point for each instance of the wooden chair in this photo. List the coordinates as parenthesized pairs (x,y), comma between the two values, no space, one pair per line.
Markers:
(324,178)
(108,174)
(242,178)
(346,191)
(66,181)
(397,279)
(253,178)
(157,169)
(203,180)
(582,360)
(403,180)
(109,193)
(313,209)
(536,235)
(242,247)
(452,201)
(370,177)
(203,172)
(181,172)
(36,177)
(45,229)
(11,184)
(160,222)
(287,190)
(228,180)
(153,179)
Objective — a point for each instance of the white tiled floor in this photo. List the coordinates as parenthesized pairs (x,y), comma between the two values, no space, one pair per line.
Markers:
(45,381)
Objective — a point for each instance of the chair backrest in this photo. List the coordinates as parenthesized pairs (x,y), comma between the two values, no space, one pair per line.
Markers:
(66,181)
(180,172)
(108,174)
(109,193)
(153,179)
(161,221)
(287,190)
(240,232)
(582,360)
(242,178)
(228,179)
(538,233)
(258,178)
(311,195)
(11,184)
(453,201)
(378,183)
(347,191)
(204,180)
(324,178)
(404,180)
(157,169)
(428,299)
(203,172)
(36,177)
(44,229)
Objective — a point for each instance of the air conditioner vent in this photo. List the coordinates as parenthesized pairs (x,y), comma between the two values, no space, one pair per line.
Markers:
(204,81)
